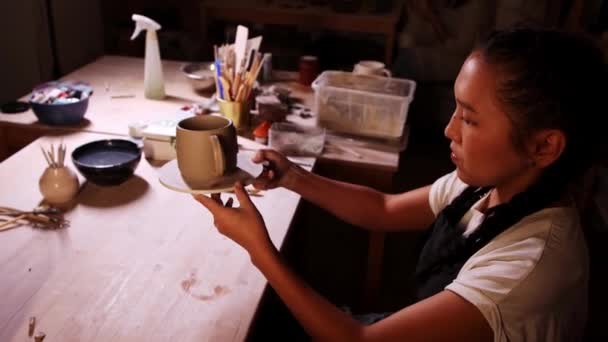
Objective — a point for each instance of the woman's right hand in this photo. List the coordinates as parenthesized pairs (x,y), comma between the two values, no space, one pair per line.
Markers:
(279,171)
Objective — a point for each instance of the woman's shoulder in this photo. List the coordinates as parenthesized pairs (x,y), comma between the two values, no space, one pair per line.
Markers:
(548,228)
(537,268)
(541,246)
(553,243)
(444,190)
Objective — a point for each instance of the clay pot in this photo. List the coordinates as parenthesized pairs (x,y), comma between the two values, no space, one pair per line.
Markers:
(58,185)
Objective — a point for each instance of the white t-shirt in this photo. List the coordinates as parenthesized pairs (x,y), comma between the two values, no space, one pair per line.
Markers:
(530,282)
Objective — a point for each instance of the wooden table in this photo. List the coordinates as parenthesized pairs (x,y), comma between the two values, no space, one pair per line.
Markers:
(265,12)
(139,262)
(113,76)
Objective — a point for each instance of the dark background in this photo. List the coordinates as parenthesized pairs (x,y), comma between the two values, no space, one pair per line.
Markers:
(45,39)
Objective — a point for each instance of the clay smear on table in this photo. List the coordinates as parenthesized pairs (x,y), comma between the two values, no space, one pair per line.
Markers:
(189,286)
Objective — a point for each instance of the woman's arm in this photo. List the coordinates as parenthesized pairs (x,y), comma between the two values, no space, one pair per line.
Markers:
(355,204)
(443,317)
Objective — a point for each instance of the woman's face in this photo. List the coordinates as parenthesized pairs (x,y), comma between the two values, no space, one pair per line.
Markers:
(480,130)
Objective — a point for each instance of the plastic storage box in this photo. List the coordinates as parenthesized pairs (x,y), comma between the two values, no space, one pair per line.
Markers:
(364,105)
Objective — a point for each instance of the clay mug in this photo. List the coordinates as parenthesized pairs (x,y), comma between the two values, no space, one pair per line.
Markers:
(373,68)
(206,149)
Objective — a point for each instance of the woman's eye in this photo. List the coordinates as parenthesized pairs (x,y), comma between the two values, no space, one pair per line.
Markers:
(467,121)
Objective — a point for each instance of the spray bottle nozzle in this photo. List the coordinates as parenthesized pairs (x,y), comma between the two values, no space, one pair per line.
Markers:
(143,23)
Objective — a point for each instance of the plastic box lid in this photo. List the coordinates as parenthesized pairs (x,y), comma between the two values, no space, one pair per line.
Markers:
(371,106)
(380,85)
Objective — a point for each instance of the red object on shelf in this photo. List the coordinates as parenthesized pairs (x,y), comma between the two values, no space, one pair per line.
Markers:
(309,69)
(260,133)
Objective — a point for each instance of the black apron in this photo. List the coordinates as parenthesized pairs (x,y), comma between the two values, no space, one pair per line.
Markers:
(445,249)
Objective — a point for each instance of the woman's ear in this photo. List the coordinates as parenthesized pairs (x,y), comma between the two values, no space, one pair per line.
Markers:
(546,147)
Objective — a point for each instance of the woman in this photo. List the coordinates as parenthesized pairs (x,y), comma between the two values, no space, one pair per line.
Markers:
(505,257)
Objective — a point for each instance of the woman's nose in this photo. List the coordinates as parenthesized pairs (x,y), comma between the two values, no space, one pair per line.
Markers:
(452,130)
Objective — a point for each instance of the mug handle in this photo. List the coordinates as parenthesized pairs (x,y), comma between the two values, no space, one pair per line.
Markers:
(218,155)
(387,73)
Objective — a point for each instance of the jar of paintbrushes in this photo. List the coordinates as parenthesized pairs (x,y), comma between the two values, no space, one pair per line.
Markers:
(58,184)
(235,77)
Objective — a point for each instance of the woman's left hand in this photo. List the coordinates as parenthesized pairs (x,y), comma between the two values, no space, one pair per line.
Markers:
(244,225)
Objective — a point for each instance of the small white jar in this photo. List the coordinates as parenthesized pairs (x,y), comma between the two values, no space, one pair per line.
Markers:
(58,185)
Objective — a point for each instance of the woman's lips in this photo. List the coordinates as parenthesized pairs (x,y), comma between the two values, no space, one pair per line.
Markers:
(454,158)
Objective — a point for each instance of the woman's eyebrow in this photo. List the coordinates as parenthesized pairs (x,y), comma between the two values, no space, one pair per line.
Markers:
(467,106)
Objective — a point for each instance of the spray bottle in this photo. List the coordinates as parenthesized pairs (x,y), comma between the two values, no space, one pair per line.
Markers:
(153,72)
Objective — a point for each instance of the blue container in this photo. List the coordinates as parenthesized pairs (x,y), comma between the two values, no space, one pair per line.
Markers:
(61,114)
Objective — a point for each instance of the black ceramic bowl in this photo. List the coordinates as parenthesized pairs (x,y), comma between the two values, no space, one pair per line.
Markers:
(107,162)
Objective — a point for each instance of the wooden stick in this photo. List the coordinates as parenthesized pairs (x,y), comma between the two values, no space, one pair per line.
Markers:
(254,72)
(236,85)
(45,156)
(253,75)
(8,224)
(239,94)
(226,88)
(51,158)
(254,65)
(295,161)
(61,154)
(53,154)
(259,67)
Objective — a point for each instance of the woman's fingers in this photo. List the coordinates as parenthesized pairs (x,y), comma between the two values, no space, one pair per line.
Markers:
(260,184)
(267,155)
(217,197)
(242,195)
(210,203)
(214,202)
(258,157)
(229,202)
(262,155)
(265,180)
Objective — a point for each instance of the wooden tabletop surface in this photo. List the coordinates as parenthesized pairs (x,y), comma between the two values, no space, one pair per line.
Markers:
(138,262)
(118,100)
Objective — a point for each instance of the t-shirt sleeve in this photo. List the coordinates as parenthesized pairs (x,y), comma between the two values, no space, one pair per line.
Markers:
(444,190)
(493,277)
